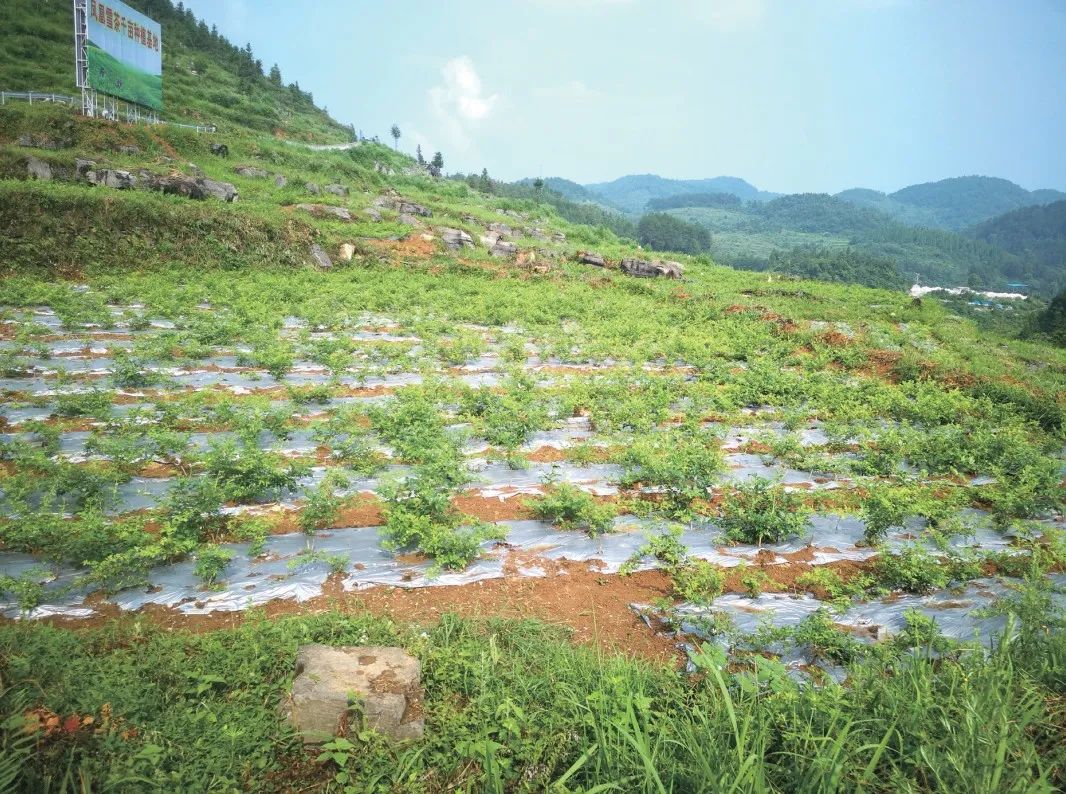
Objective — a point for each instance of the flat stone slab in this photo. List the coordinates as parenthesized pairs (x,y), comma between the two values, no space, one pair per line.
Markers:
(335,688)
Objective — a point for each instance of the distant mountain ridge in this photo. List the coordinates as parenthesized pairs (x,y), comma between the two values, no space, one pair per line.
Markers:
(954,203)
(632,193)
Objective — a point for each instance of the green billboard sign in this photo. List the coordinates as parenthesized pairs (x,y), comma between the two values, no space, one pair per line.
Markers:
(124,53)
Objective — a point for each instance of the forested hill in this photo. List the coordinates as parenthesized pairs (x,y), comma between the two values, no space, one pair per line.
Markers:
(206,78)
(951,203)
(748,235)
(1037,234)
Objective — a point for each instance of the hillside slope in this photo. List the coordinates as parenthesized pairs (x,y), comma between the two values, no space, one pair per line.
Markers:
(1036,234)
(206,79)
(748,235)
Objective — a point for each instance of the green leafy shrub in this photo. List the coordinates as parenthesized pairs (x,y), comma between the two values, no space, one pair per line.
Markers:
(685,462)
(697,581)
(913,569)
(568,507)
(211,562)
(762,511)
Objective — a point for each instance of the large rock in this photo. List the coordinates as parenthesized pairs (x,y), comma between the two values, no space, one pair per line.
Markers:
(312,188)
(190,187)
(251,172)
(347,251)
(178,185)
(373,214)
(223,191)
(644,269)
(408,219)
(503,249)
(37,168)
(501,229)
(378,687)
(336,190)
(326,210)
(110,177)
(318,253)
(456,239)
(591,258)
(411,208)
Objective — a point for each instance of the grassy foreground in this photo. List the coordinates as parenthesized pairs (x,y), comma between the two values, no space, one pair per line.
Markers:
(514,706)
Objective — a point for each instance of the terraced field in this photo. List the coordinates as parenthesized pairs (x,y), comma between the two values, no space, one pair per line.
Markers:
(559,485)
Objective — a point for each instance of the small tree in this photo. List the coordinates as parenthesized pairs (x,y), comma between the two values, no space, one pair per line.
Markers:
(436,165)
(395,132)
(538,184)
(418,155)
(275,75)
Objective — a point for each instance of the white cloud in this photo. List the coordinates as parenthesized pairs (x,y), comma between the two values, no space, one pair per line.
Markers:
(459,104)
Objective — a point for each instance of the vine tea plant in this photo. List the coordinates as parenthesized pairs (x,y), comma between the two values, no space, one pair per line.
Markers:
(761,511)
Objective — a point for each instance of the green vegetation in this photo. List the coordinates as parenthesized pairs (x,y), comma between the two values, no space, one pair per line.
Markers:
(568,507)
(661,232)
(761,511)
(847,265)
(423,369)
(513,705)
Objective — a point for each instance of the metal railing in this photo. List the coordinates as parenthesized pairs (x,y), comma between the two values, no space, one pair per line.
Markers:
(62,99)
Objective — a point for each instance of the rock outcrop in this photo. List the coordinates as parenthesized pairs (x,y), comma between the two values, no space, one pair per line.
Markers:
(318,253)
(643,269)
(455,239)
(591,258)
(326,210)
(38,169)
(251,172)
(352,688)
(336,190)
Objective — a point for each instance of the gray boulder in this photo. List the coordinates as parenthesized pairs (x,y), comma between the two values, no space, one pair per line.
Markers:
(318,253)
(558,237)
(411,208)
(38,169)
(129,149)
(644,269)
(326,210)
(109,177)
(251,172)
(312,188)
(223,191)
(591,258)
(373,213)
(374,687)
(177,185)
(455,239)
(408,219)
(83,167)
(336,190)
(503,249)
(280,181)
(502,229)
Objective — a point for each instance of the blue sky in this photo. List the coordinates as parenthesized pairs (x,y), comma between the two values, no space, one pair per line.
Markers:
(792,95)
